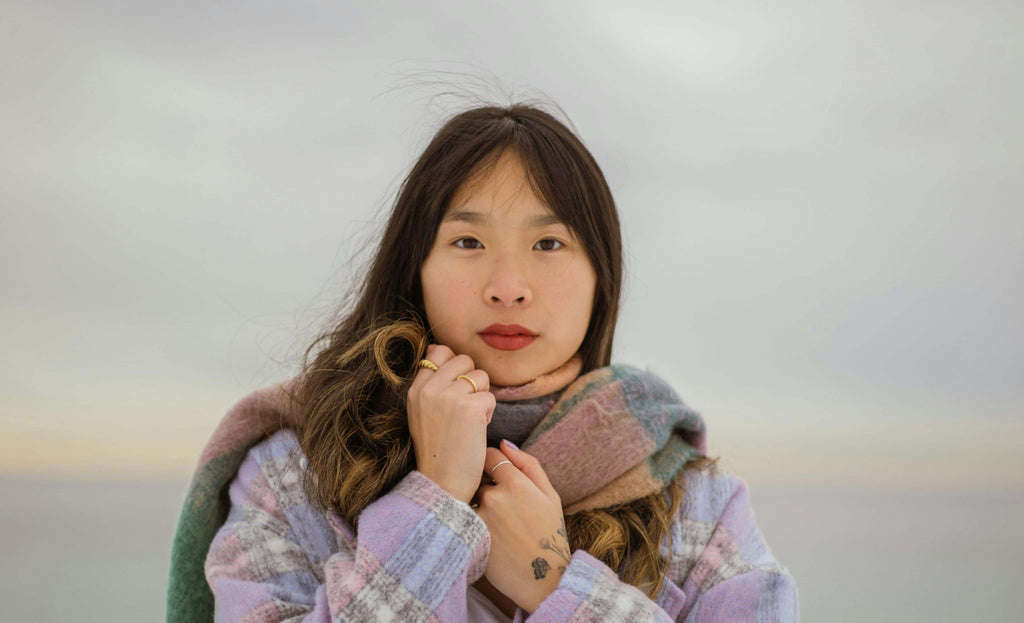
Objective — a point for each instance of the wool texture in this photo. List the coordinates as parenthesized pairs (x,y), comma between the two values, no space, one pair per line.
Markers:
(613,435)
(206,505)
(516,420)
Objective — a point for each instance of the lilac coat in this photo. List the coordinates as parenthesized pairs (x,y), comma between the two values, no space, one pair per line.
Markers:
(418,549)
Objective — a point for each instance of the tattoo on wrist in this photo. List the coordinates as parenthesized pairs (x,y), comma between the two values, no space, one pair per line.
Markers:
(540,565)
(556,547)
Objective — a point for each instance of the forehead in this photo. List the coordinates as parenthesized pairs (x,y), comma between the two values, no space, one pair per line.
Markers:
(502,189)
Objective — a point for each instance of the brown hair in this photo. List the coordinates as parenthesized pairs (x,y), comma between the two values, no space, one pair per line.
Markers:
(354,430)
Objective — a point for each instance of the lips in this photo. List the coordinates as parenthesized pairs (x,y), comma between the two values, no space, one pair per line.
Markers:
(507,336)
(508,329)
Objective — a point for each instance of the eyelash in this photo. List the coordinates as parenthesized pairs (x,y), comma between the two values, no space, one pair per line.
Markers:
(456,243)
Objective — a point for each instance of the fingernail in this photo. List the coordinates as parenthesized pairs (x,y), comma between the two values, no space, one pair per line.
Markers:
(510,444)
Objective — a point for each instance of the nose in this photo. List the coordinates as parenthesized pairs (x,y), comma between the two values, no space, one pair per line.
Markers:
(508,285)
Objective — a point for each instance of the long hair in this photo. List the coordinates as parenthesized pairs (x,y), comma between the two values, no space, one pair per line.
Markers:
(354,429)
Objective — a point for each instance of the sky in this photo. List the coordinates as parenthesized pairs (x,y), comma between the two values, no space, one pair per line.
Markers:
(820,205)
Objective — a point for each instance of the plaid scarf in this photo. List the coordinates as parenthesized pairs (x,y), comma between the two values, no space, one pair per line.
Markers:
(616,434)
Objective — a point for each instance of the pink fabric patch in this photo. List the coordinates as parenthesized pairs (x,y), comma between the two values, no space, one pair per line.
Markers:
(719,549)
(231,560)
(345,580)
(420,489)
(590,425)
(263,496)
(265,613)
(585,614)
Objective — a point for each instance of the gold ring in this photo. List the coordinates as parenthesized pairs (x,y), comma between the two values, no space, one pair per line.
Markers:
(426,363)
(471,382)
(497,465)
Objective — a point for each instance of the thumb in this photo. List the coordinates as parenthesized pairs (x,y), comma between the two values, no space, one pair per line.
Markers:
(529,465)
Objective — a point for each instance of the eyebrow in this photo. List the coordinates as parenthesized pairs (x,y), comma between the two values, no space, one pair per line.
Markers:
(478,218)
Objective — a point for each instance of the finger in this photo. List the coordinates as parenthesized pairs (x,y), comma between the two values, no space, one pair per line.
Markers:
(439,355)
(482,491)
(479,502)
(489,403)
(492,465)
(483,402)
(529,466)
(453,367)
(480,378)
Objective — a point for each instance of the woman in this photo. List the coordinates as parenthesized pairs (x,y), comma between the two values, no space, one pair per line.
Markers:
(385,481)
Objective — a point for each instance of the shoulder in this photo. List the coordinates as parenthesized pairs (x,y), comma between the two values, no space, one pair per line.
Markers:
(271,473)
(273,476)
(280,449)
(281,466)
(715,534)
(709,492)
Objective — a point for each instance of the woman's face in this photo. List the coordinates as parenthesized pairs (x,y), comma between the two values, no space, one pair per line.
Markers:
(501,257)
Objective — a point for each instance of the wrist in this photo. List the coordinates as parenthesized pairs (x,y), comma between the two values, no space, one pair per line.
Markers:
(544,588)
(448,488)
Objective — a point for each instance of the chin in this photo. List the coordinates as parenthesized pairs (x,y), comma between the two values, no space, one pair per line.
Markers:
(511,381)
(512,378)
(515,368)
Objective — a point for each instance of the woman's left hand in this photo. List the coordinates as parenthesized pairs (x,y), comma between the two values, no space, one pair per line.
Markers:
(529,544)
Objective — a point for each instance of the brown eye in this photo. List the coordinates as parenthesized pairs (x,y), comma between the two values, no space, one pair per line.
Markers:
(471,240)
(548,241)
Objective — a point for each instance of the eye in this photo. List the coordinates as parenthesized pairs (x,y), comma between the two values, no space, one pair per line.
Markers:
(465,239)
(550,240)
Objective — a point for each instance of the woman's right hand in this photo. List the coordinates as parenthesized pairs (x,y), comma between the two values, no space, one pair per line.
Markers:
(448,421)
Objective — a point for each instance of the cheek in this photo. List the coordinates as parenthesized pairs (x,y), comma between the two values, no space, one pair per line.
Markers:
(433,291)
(575,292)
(443,296)
(453,293)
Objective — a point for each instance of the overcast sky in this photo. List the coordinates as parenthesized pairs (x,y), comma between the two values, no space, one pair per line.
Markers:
(821,201)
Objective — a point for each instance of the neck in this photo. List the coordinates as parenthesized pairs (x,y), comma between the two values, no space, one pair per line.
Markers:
(542,385)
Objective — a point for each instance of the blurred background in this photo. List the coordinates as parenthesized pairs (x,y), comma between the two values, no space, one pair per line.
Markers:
(821,204)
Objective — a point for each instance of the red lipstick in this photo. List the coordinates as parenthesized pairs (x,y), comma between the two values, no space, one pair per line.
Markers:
(507,336)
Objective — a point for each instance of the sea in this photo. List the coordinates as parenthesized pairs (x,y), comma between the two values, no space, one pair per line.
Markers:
(100,551)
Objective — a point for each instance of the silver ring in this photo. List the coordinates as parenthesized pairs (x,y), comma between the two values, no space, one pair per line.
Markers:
(497,465)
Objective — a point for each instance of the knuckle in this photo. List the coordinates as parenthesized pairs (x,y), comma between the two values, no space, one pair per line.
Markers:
(485,400)
(484,416)
(454,391)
